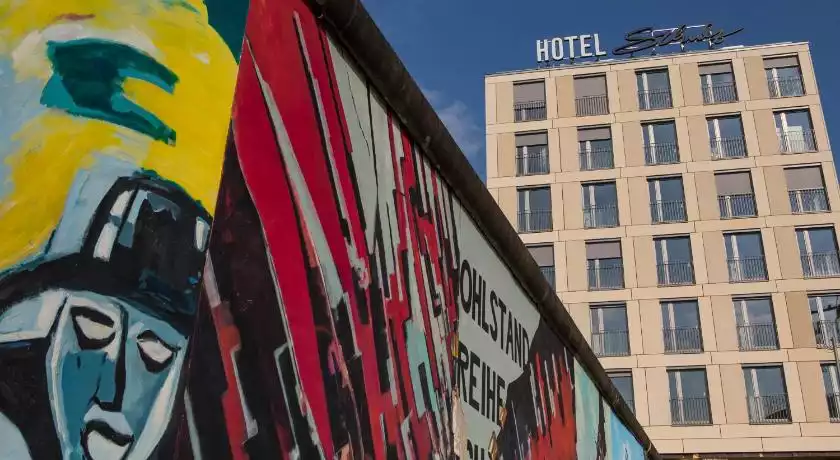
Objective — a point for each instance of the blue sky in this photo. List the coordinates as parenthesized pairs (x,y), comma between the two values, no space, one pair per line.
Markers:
(449,45)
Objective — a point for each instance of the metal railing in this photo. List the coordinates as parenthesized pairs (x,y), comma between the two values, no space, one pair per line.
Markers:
(740,205)
(548,273)
(535,221)
(797,141)
(655,99)
(786,87)
(529,111)
(728,147)
(752,337)
(592,105)
(808,200)
(747,269)
(611,343)
(534,161)
(833,400)
(820,264)
(768,409)
(603,278)
(600,216)
(662,153)
(719,93)
(675,273)
(826,333)
(682,340)
(667,211)
(600,158)
(690,411)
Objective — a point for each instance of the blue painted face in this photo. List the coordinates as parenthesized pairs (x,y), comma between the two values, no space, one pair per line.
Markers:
(112,372)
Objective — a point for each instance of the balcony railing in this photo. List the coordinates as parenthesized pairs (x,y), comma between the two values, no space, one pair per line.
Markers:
(724,148)
(655,99)
(786,87)
(667,211)
(833,400)
(747,269)
(675,273)
(826,334)
(662,153)
(603,278)
(740,205)
(752,337)
(602,216)
(768,409)
(797,141)
(600,158)
(820,265)
(548,273)
(534,161)
(535,221)
(808,200)
(690,411)
(682,340)
(529,111)
(610,343)
(592,105)
(719,93)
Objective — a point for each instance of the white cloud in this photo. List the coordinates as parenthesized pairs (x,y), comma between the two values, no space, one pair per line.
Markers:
(461,124)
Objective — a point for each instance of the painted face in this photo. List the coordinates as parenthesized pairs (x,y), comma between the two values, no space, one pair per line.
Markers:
(112,371)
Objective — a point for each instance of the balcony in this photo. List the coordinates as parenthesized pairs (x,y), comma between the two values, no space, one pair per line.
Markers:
(675,273)
(610,343)
(756,337)
(682,340)
(535,221)
(529,111)
(662,212)
(833,400)
(592,159)
(604,278)
(603,216)
(768,409)
(592,105)
(719,93)
(808,200)
(791,141)
(786,87)
(747,269)
(820,265)
(734,206)
(548,273)
(534,161)
(655,99)
(826,333)
(690,411)
(724,148)
(662,153)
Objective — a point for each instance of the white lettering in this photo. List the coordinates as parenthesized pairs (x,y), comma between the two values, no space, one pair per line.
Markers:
(598,51)
(585,45)
(571,41)
(542,50)
(557,49)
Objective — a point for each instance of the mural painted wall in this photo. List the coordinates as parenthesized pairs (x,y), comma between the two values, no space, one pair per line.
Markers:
(113,119)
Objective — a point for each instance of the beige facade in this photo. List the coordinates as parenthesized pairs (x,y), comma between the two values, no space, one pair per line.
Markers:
(733,275)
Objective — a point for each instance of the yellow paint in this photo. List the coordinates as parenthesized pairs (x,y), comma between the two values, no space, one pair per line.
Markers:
(52,147)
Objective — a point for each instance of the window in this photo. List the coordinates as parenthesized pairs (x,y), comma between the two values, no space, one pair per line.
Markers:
(818,251)
(604,265)
(681,326)
(832,391)
(784,78)
(726,135)
(795,131)
(756,324)
(531,154)
(600,205)
(595,148)
(534,209)
(745,256)
(667,200)
(623,381)
(673,260)
(717,83)
(767,400)
(609,330)
(824,317)
(806,190)
(544,256)
(660,141)
(735,195)
(654,89)
(591,95)
(529,101)
(689,397)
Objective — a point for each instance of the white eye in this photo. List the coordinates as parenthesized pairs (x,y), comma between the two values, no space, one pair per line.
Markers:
(155,350)
(93,330)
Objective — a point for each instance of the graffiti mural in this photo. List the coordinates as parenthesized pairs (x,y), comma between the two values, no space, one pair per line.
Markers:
(111,145)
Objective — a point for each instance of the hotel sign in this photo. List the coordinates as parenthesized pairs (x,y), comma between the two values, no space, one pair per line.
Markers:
(556,49)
